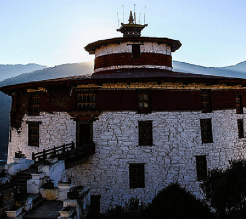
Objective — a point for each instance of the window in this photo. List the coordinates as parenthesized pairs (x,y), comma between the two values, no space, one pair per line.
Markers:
(86,100)
(206,131)
(1,201)
(136,174)
(144,102)
(95,204)
(33,133)
(145,133)
(240,128)
(206,101)
(239,105)
(201,167)
(34,105)
(135,50)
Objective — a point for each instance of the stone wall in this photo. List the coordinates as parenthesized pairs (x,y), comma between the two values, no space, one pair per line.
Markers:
(171,158)
(56,128)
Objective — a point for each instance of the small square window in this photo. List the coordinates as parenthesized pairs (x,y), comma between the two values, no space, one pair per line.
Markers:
(239,105)
(201,167)
(206,101)
(34,108)
(33,133)
(145,133)
(136,174)
(240,128)
(206,131)
(144,102)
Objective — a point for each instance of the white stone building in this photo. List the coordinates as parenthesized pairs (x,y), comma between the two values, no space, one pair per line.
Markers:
(151,126)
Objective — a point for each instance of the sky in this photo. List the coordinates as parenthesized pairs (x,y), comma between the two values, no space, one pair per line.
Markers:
(54,32)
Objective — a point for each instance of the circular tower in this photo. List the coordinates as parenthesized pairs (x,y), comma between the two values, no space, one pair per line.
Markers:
(132,51)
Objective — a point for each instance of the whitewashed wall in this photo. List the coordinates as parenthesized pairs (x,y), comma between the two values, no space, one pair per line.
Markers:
(55,129)
(147,47)
(176,142)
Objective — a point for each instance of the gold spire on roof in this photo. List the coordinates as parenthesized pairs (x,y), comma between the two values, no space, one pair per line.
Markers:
(131,30)
(131,19)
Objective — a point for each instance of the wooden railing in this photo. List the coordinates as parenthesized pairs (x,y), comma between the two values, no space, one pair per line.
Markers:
(53,152)
(66,152)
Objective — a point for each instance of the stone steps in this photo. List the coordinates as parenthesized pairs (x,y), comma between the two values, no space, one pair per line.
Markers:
(22,177)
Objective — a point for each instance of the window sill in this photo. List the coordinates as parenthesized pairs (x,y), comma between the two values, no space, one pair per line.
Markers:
(144,111)
(33,146)
(148,145)
(207,142)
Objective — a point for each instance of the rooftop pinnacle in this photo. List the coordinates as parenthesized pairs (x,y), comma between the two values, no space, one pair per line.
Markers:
(131,30)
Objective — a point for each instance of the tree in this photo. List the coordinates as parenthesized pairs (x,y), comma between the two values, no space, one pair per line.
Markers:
(225,190)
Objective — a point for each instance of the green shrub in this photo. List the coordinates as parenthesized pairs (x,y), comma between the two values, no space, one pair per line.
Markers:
(170,203)
(175,202)
(226,190)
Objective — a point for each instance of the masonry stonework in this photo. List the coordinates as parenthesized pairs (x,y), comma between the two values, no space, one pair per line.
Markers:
(55,129)
(171,158)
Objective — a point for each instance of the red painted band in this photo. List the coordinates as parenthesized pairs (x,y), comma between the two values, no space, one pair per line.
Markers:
(127,59)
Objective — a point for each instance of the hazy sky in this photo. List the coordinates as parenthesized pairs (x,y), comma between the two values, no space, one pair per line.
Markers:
(53,32)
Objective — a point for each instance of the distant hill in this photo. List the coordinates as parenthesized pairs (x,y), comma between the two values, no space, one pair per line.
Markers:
(59,71)
(238,71)
(7,71)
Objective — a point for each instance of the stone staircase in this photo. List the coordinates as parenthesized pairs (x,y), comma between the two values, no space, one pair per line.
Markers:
(23,176)
(35,199)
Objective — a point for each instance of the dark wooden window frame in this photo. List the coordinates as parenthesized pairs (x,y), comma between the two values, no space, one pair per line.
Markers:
(34,105)
(239,104)
(206,130)
(145,132)
(86,99)
(201,167)
(136,51)
(136,175)
(240,128)
(33,133)
(90,123)
(144,105)
(206,101)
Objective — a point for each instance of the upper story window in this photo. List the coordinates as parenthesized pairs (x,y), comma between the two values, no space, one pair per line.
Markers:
(201,167)
(206,131)
(239,105)
(135,50)
(144,102)
(34,105)
(145,133)
(206,101)
(86,100)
